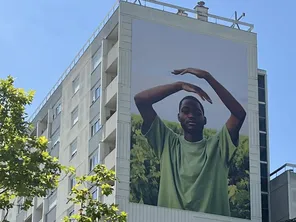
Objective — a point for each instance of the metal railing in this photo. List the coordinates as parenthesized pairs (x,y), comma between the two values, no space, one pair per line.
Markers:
(282,169)
(75,60)
(193,13)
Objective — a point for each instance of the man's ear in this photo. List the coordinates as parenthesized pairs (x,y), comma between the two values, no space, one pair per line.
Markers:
(179,117)
(205,120)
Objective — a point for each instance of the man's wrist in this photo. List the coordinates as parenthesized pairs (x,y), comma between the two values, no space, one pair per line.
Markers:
(179,85)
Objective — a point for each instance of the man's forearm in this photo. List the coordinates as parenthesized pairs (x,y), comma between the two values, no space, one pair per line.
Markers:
(229,101)
(154,95)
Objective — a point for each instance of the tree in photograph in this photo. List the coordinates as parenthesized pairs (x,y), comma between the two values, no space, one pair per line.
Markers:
(145,170)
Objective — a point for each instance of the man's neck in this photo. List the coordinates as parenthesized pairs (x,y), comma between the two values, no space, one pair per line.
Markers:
(193,137)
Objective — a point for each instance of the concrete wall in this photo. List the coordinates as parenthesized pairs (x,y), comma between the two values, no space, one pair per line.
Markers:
(292,195)
(279,200)
(129,12)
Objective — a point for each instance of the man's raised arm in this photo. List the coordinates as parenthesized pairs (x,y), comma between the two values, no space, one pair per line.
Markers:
(238,114)
(145,99)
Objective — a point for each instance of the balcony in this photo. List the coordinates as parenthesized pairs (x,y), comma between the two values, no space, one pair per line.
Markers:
(109,199)
(109,130)
(109,160)
(39,201)
(111,92)
(112,58)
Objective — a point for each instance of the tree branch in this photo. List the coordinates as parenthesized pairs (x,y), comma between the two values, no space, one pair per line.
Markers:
(3,191)
(5,216)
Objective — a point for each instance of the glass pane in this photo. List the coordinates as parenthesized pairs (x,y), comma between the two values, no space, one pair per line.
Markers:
(263,169)
(263,140)
(264,200)
(264,184)
(265,215)
(263,154)
(262,124)
(261,81)
(261,94)
(262,110)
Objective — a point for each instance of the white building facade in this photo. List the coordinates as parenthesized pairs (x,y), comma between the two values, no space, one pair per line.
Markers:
(87,117)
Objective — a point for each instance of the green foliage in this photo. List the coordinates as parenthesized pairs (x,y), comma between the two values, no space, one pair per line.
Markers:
(93,209)
(26,168)
(145,170)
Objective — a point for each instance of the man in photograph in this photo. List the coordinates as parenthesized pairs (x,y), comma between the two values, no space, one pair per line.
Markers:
(194,170)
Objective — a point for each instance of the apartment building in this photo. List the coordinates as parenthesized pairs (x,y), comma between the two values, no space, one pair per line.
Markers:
(87,114)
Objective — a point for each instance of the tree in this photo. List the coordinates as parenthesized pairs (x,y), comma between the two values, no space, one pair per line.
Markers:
(92,209)
(26,168)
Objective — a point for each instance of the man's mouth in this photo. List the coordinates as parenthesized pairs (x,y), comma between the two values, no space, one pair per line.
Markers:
(191,123)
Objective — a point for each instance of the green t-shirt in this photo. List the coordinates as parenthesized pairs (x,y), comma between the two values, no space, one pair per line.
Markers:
(193,174)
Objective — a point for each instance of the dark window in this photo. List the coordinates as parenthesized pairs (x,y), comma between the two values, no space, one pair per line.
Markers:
(262,110)
(264,184)
(263,154)
(261,81)
(265,215)
(262,124)
(263,141)
(263,169)
(261,94)
(264,200)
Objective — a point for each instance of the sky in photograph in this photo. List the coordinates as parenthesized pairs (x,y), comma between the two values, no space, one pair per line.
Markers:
(155,56)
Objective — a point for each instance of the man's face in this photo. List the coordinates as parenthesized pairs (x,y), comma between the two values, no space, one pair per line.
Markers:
(191,116)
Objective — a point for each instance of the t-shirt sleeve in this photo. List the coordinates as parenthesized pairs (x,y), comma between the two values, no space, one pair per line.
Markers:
(226,145)
(159,136)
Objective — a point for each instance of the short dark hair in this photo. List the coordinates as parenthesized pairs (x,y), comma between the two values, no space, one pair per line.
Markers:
(194,99)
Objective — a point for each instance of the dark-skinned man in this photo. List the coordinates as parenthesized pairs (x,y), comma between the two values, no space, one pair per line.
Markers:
(194,170)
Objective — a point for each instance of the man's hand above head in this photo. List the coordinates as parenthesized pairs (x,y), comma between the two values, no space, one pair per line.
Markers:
(195,89)
(194,71)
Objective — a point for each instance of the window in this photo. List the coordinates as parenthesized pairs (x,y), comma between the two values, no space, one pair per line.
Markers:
(93,161)
(72,183)
(96,94)
(56,143)
(263,169)
(75,85)
(95,127)
(73,148)
(19,205)
(74,116)
(58,109)
(265,215)
(261,94)
(94,193)
(264,184)
(261,81)
(263,154)
(262,124)
(263,140)
(71,212)
(262,110)
(264,201)
(96,59)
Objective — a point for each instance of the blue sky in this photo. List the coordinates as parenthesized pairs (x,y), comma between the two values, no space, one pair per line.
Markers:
(39,39)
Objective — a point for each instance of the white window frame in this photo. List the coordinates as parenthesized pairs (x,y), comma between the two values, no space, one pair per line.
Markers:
(73,152)
(95,190)
(92,164)
(74,120)
(97,58)
(58,109)
(75,85)
(56,143)
(96,93)
(72,182)
(95,127)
